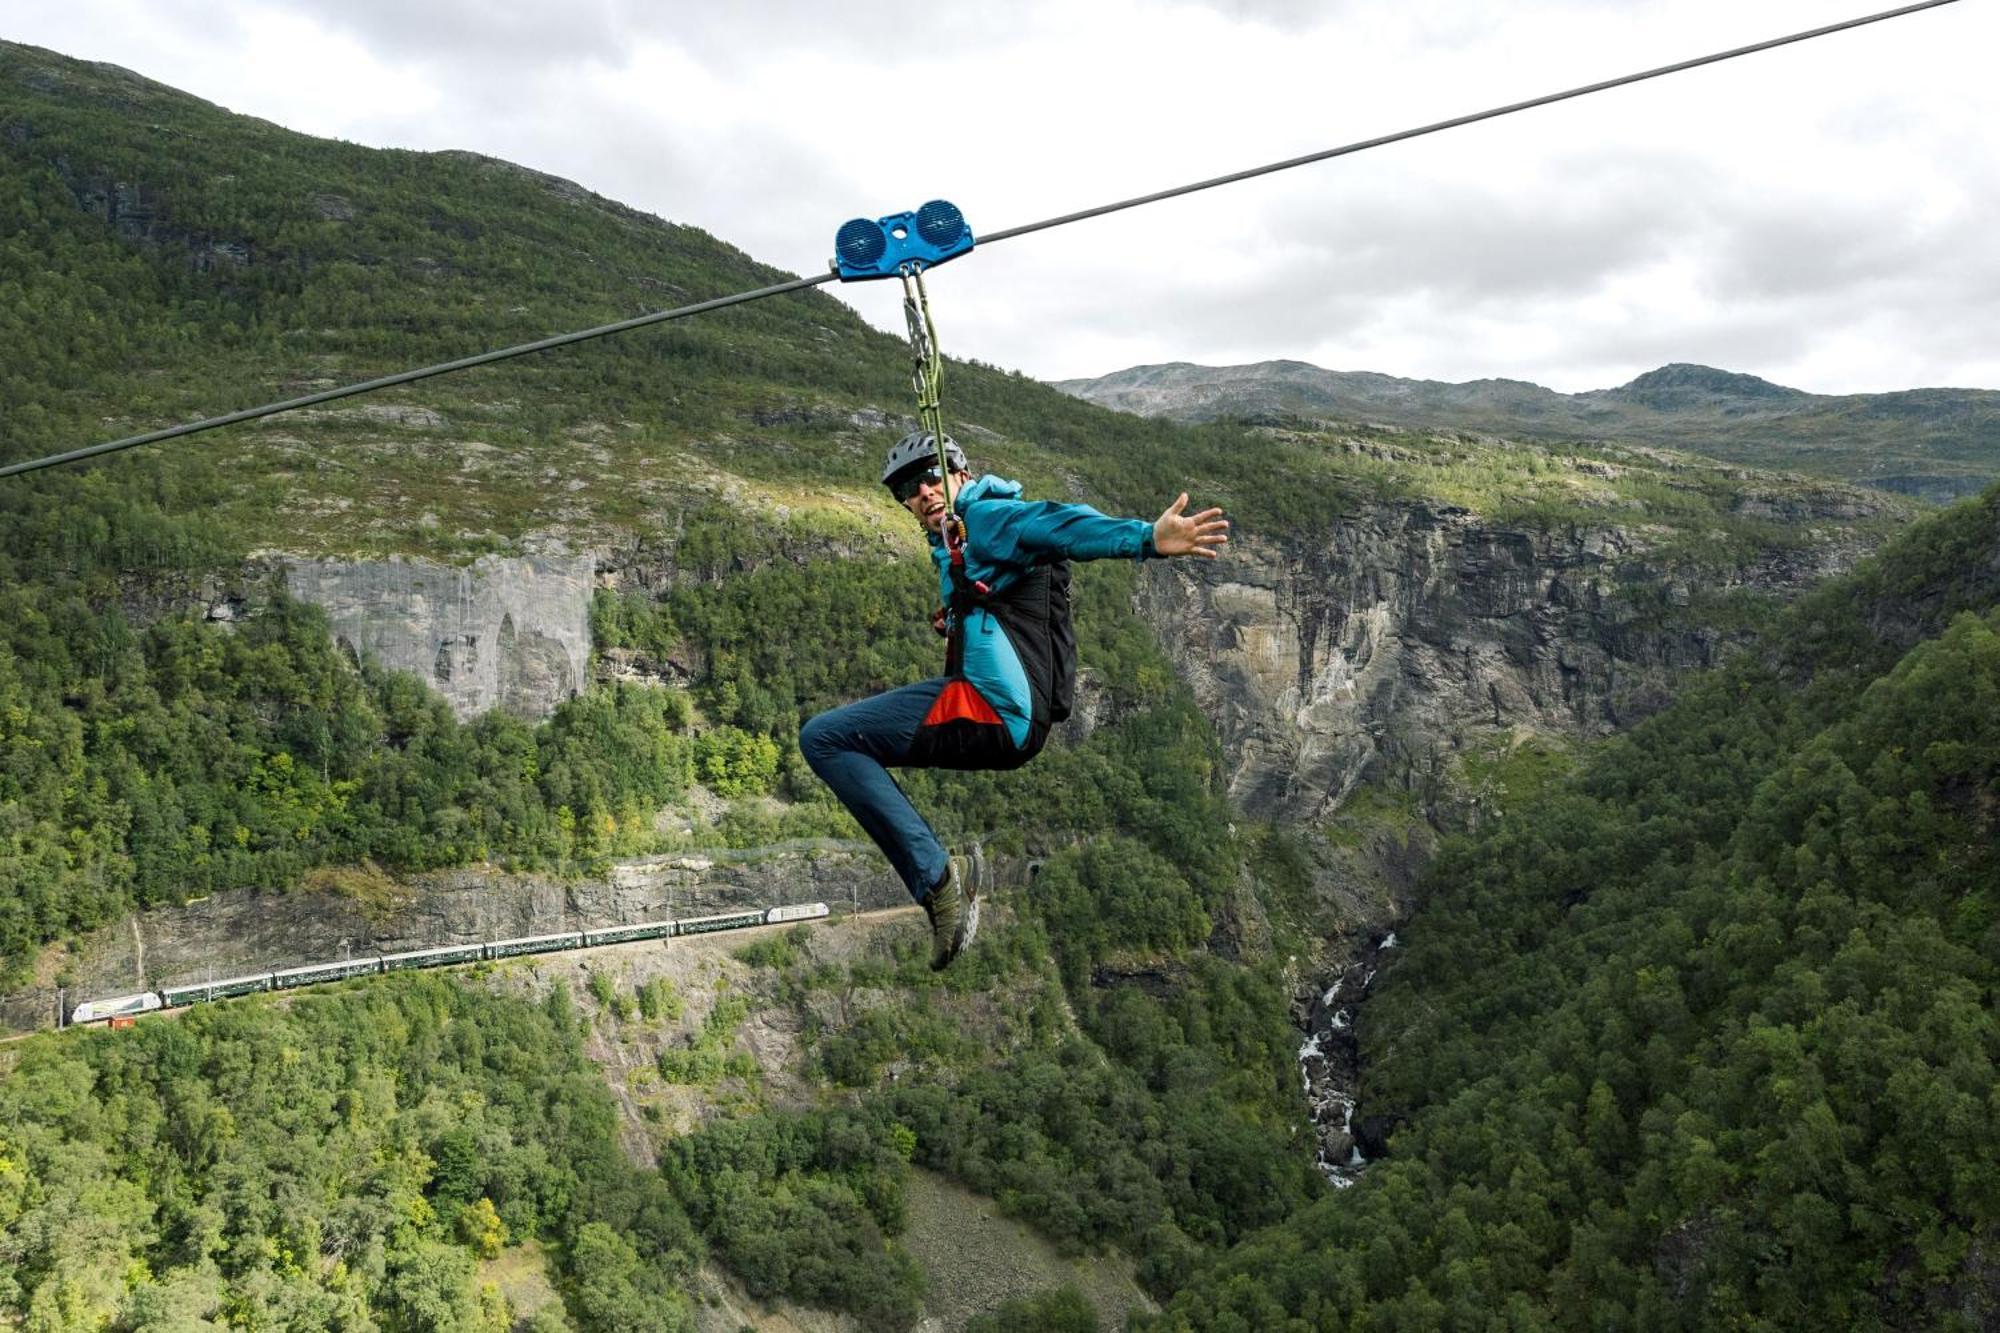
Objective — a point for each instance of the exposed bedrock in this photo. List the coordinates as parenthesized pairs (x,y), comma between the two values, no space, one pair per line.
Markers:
(1379,653)
(511,633)
(1376,651)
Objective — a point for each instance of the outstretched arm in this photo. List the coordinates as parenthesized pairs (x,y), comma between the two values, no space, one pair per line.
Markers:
(1018,530)
(1179,533)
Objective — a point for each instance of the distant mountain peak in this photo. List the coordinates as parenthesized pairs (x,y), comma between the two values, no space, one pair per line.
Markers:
(1683,383)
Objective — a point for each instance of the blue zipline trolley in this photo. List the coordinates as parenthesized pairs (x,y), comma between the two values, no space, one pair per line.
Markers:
(865,250)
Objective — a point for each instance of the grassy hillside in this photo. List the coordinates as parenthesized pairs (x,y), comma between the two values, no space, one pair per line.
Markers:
(164,260)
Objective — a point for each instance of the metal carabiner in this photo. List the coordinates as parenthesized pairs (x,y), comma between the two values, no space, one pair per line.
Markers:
(927,377)
(928,368)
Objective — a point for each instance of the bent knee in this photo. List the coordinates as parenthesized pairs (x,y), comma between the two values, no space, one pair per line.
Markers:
(818,738)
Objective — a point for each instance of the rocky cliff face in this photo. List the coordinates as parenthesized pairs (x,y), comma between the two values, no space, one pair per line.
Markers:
(1372,650)
(1385,650)
(502,633)
(1380,649)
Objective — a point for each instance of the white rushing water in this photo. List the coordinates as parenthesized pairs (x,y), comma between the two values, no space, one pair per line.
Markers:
(1328,1067)
(1330,1102)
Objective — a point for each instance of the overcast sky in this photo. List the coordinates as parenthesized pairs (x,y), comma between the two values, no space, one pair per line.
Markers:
(1812,215)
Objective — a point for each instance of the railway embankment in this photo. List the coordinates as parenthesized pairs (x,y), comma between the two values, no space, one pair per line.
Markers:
(246,931)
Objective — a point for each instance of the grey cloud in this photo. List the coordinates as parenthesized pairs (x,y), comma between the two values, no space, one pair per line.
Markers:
(1479,244)
(1614,216)
(1286,15)
(1786,288)
(1446,24)
(506,32)
(1377,256)
(517,33)
(1582,354)
(1756,343)
(1796,251)
(1783,277)
(1836,260)
(1279,309)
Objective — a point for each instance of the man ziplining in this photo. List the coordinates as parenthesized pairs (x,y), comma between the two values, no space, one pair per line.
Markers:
(1010,657)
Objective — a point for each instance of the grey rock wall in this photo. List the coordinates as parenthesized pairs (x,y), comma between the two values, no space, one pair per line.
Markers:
(1376,652)
(510,633)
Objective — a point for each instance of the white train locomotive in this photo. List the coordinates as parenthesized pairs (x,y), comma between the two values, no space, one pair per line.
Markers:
(312,974)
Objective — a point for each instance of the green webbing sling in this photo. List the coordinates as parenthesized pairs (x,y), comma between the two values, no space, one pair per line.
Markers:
(926,375)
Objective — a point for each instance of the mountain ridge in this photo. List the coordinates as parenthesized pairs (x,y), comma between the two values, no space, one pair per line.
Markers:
(1934,443)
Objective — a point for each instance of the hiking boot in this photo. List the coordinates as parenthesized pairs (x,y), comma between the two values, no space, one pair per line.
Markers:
(953,909)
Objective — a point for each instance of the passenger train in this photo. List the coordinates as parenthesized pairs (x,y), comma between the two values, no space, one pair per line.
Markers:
(312,974)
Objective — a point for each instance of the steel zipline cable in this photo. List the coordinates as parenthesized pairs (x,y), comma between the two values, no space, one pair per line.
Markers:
(411,376)
(800,284)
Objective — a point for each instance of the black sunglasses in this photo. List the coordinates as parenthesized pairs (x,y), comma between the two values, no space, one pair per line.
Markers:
(905,485)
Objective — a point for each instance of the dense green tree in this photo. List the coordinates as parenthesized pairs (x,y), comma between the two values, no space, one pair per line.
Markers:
(1063,1310)
(1706,1037)
(336,1163)
(806,1207)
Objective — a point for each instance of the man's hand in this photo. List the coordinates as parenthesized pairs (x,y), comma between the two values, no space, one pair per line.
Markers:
(1178,533)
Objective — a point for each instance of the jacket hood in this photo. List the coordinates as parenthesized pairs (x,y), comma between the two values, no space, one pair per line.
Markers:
(989,488)
(983,488)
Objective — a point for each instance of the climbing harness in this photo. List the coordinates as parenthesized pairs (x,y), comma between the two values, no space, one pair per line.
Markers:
(934,233)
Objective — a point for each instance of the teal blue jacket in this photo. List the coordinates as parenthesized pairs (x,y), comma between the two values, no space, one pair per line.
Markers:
(1004,537)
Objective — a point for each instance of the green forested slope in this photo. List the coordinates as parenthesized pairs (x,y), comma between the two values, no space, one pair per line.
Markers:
(153,757)
(160,260)
(339,1163)
(1706,1038)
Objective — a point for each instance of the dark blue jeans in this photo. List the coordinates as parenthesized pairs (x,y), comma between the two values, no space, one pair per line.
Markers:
(853,747)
